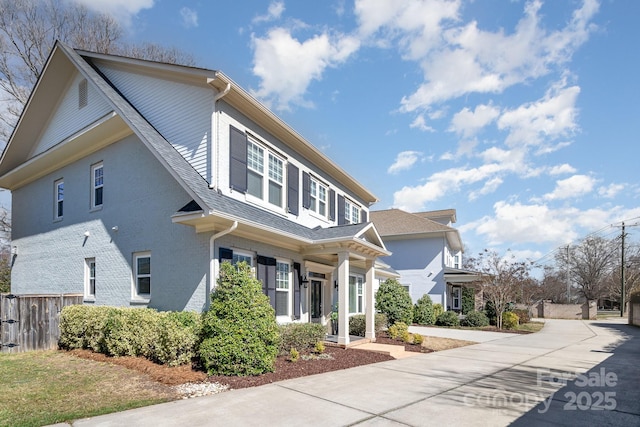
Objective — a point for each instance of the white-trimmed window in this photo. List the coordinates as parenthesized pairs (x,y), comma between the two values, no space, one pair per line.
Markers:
(283,286)
(318,197)
(265,174)
(356,294)
(351,212)
(58,210)
(142,274)
(97,185)
(242,257)
(90,278)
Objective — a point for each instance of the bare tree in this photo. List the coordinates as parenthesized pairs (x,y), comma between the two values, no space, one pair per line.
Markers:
(613,282)
(589,264)
(28,31)
(554,285)
(504,278)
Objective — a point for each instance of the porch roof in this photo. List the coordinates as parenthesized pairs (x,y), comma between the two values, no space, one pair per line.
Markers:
(455,275)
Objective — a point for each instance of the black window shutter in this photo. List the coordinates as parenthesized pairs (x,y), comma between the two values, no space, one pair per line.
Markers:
(266,273)
(341,218)
(237,160)
(363,216)
(225,254)
(332,205)
(296,290)
(306,190)
(293,185)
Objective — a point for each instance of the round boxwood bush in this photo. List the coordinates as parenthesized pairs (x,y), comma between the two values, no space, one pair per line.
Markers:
(394,301)
(423,313)
(239,331)
(475,319)
(448,318)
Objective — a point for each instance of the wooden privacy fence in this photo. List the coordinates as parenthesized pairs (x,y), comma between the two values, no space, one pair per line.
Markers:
(32,322)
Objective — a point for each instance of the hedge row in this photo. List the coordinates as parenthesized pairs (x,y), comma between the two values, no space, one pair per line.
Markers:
(164,337)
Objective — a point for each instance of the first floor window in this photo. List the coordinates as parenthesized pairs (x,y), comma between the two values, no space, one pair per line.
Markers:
(90,277)
(59,199)
(283,284)
(142,265)
(239,257)
(356,294)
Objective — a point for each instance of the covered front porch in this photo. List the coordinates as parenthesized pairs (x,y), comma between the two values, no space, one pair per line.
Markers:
(457,280)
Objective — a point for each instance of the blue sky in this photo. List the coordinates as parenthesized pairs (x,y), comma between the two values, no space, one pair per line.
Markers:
(521,115)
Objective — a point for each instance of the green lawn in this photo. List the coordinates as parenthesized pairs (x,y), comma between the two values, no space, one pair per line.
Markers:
(47,387)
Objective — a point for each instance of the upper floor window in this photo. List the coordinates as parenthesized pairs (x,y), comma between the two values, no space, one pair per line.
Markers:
(351,212)
(142,273)
(97,185)
(318,197)
(59,199)
(265,174)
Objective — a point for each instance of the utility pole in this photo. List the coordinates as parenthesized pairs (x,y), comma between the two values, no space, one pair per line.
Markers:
(622,296)
(568,279)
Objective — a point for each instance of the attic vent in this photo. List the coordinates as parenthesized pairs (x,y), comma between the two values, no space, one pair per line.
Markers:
(83,93)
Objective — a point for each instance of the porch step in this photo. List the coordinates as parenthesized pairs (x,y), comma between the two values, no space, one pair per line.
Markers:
(395,351)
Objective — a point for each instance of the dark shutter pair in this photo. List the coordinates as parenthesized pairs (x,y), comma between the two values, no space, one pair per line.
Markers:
(238,169)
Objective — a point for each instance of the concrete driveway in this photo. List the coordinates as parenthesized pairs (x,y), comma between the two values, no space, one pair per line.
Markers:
(570,373)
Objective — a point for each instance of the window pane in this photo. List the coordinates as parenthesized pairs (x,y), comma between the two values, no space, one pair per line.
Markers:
(282,275)
(60,191)
(275,168)
(60,208)
(352,295)
(97,200)
(144,265)
(282,303)
(275,193)
(254,184)
(98,176)
(144,285)
(237,258)
(255,158)
(322,208)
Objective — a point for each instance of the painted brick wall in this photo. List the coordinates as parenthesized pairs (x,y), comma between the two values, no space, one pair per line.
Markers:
(139,198)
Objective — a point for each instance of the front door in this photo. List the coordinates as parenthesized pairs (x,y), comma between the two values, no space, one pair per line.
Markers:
(316,300)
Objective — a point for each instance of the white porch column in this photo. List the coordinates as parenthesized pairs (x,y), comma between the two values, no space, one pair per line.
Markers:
(370,331)
(343,298)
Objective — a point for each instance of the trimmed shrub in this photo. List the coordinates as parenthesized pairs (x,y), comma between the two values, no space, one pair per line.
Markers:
(475,319)
(358,324)
(395,302)
(319,347)
(437,310)
(523,315)
(509,320)
(398,330)
(163,337)
(294,355)
(423,312)
(418,339)
(448,318)
(240,333)
(302,336)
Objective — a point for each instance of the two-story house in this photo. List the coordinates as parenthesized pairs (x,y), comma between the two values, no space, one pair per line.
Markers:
(427,253)
(133,180)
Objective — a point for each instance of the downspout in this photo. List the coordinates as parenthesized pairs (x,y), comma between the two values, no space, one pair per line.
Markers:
(213,261)
(213,179)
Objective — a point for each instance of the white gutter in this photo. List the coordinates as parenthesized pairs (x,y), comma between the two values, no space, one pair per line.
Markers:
(213,180)
(214,264)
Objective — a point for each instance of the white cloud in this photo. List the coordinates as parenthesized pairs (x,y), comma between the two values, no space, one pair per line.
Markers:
(287,66)
(467,123)
(562,169)
(421,124)
(537,123)
(274,12)
(121,10)
(575,186)
(404,161)
(464,59)
(189,17)
(611,190)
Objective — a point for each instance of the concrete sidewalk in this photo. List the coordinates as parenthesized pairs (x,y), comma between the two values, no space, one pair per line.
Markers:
(534,379)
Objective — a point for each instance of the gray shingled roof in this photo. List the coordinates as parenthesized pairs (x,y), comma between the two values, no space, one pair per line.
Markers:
(394,222)
(205,197)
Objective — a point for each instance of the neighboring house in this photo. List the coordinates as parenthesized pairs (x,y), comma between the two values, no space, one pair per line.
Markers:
(427,253)
(132,180)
